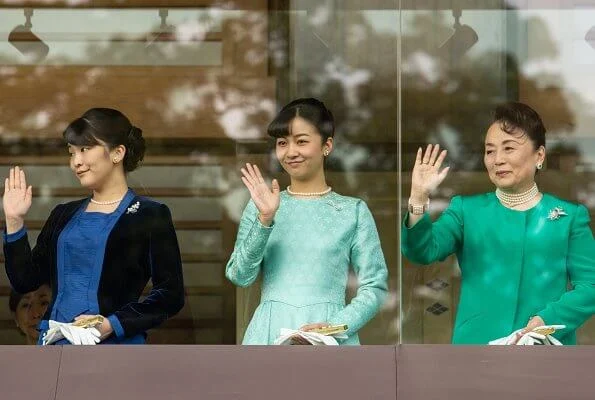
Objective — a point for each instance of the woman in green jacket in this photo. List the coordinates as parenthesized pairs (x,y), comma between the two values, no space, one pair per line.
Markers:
(527,258)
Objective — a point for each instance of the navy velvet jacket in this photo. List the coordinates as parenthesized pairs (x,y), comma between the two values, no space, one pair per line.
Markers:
(141,246)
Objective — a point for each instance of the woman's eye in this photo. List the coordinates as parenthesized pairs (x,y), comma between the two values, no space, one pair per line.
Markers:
(489,151)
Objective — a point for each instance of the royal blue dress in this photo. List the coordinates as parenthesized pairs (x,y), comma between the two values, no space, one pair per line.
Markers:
(81,249)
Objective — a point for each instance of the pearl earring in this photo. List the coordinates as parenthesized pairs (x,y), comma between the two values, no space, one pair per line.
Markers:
(326,153)
(539,165)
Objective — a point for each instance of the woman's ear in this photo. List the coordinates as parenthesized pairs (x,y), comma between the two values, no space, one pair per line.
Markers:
(118,153)
(541,154)
(327,147)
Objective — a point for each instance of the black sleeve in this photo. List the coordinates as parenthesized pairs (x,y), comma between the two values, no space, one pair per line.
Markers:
(28,269)
(166,298)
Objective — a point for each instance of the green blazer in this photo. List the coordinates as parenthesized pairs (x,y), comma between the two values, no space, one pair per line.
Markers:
(514,264)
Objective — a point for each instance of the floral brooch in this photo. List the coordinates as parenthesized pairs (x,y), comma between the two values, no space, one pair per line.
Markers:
(133,208)
(556,213)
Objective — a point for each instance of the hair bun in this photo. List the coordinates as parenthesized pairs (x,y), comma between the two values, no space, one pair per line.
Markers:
(135,133)
(135,149)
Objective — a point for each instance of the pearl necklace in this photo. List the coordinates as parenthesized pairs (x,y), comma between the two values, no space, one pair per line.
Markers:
(516,199)
(106,203)
(327,190)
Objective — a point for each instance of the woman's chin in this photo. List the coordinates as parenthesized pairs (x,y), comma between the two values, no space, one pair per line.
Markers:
(503,184)
(505,188)
(299,176)
(87,183)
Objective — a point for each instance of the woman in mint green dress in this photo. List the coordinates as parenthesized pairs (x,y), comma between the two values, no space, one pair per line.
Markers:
(304,240)
(518,249)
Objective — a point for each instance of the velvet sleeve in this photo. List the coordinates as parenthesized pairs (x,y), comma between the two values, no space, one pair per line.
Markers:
(166,297)
(28,269)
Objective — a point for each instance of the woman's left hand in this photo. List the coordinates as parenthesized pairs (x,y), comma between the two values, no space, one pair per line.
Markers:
(105,328)
(532,324)
(309,327)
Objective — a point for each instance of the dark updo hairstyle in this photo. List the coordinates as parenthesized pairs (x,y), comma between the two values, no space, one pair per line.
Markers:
(113,128)
(515,118)
(312,110)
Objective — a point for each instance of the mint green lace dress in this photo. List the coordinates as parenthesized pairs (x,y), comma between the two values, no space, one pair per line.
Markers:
(304,257)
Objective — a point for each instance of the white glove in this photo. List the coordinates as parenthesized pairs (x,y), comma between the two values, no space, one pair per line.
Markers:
(53,334)
(80,336)
(531,338)
(506,340)
(74,334)
(534,338)
(312,337)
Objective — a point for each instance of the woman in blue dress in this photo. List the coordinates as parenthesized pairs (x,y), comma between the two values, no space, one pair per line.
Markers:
(97,254)
(304,239)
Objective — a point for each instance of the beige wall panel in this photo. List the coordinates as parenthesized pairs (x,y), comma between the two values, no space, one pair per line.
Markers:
(203,274)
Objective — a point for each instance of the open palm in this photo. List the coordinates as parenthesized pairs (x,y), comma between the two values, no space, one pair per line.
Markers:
(17,195)
(426,175)
(264,197)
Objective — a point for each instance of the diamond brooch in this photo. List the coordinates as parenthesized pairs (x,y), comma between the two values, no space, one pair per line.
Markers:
(556,213)
(133,208)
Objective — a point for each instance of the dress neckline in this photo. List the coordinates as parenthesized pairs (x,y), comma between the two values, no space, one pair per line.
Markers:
(97,213)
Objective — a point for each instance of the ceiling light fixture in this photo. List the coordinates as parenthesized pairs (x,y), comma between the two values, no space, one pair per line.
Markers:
(26,42)
(463,38)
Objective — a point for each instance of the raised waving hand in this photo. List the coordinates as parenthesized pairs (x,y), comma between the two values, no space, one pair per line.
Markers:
(426,175)
(16,200)
(264,197)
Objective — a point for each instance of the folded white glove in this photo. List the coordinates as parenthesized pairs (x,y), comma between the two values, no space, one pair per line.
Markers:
(534,338)
(78,335)
(531,338)
(53,334)
(313,338)
(74,334)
